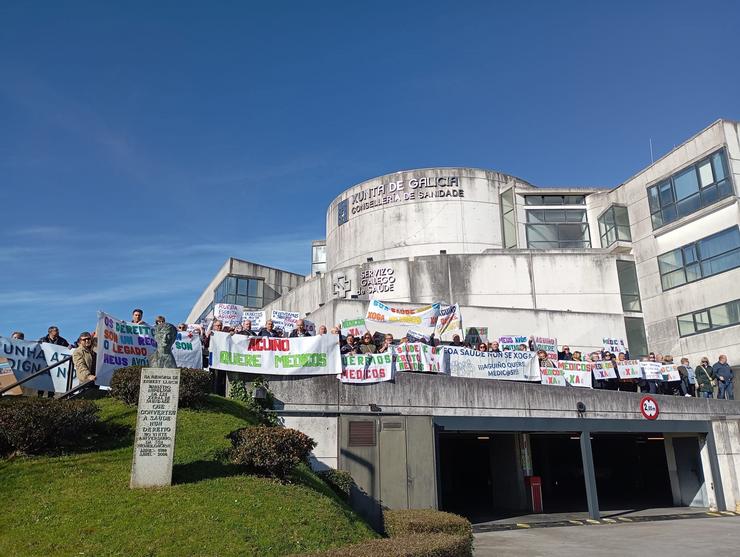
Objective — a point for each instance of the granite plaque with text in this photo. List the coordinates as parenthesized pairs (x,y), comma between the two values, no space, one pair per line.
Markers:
(156,420)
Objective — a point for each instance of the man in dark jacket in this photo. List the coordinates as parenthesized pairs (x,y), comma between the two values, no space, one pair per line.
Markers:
(300,330)
(565,354)
(724,374)
(53,337)
(269,330)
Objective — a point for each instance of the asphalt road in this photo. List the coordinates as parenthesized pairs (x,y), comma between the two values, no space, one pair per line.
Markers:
(699,537)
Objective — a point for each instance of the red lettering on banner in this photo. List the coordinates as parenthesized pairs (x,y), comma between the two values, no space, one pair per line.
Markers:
(258,344)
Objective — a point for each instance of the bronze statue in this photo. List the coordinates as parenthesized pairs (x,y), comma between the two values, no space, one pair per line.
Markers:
(165,334)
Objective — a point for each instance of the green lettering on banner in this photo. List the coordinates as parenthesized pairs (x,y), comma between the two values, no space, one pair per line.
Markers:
(244,360)
(300,360)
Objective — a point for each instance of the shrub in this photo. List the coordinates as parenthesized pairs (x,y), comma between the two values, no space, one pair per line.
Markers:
(425,521)
(242,390)
(419,545)
(195,384)
(38,425)
(274,451)
(340,481)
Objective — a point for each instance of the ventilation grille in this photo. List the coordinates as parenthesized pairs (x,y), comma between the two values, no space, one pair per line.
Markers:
(392,425)
(362,434)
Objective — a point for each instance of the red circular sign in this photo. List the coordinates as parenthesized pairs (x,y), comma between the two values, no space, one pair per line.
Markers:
(649,408)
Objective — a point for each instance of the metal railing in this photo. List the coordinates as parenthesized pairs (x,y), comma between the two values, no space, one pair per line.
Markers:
(70,375)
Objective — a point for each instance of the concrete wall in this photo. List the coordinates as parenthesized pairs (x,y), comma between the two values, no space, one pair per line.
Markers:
(661,308)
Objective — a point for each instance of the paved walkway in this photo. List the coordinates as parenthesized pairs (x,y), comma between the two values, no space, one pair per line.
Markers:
(696,537)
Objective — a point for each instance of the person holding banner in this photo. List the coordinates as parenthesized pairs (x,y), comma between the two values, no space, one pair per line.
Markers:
(300,330)
(367,346)
(388,343)
(349,347)
(246,329)
(52,337)
(544,360)
(269,330)
(84,358)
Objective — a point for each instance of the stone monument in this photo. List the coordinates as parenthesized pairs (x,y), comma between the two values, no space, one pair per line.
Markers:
(156,421)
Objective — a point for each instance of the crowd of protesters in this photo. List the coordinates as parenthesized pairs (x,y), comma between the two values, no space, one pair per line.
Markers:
(706,380)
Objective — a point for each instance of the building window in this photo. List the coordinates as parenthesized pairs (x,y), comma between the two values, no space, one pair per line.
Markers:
(318,258)
(614,225)
(557,228)
(710,256)
(508,219)
(555,200)
(628,287)
(636,339)
(689,190)
(247,292)
(710,319)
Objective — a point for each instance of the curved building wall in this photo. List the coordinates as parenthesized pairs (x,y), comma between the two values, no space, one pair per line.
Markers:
(417,212)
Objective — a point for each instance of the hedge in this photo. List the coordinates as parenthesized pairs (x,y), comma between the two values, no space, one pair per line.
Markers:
(31,425)
(340,481)
(419,545)
(425,521)
(274,451)
(195,384)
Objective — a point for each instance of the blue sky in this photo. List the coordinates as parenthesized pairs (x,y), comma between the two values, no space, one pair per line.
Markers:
(142,144)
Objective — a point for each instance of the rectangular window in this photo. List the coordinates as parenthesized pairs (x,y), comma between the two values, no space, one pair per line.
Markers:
(555,200)
(709,256)
(557,228)
(689,190)
(614,225)
(628,287)
(508,219)
(636,338)
(710,319)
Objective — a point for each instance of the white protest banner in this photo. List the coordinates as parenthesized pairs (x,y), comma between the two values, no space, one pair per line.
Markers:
(459,361)
(652,371)
(629,369)
(188,351)
(258,318)
(449,321)
(316,355)
(195,328)
(604,370)
(614,345)
(425,316)
(355,327)
(549,345)
(55,353)
(513,342)
(25,358)
(577,374)
(121,344)
(416,357)
(284,320)
(553,376)
(670,372)
(230,315)
(366,368)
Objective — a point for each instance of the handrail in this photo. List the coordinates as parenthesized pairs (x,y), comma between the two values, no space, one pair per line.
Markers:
(36,374)
(77,389)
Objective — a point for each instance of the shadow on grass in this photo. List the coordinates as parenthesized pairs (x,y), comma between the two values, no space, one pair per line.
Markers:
(200,470)
(220,405)
(106,436)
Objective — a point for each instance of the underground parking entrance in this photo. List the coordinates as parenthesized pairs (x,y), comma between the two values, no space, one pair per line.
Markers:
(492,474)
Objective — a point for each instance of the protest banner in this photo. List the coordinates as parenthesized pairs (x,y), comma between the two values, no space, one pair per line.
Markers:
(366,368)
(577,374)
(316,355)
(513,342)
(416,357)
(121,344)
(549,345)
(355,327)
(553,376)
(53,354)
(614,345)
(258,318)
(195,328)
(7,378)
(652,371)
(416,336)
(629,369)
(284,321)
(425,316)
(230,315)
(25,358)
(604,370)
(475,335)
(449,321)
(459,361)
(670,372)
(188,350)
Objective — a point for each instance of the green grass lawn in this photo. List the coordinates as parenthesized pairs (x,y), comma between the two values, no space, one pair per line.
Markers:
(80,504)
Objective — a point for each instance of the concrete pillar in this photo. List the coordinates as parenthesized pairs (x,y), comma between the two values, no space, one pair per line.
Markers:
(707,471)
(670,457)
(589,475)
